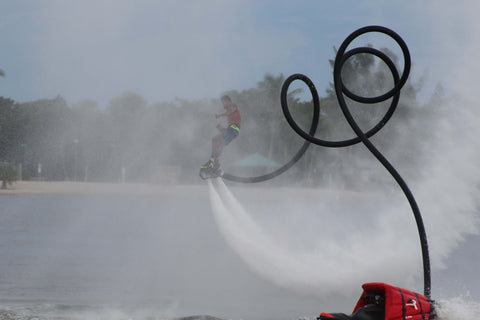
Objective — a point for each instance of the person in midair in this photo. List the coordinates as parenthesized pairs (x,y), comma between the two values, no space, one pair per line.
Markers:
(226,135)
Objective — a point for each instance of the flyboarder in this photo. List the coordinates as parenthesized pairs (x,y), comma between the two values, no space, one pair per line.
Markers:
(212,167)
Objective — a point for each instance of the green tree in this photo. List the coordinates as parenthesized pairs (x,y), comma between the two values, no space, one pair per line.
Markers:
(127,114)
(45,132)
(8,129)
(87,141)
(8,174)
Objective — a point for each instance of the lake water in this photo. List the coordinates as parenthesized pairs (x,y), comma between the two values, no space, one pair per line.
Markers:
(154,256)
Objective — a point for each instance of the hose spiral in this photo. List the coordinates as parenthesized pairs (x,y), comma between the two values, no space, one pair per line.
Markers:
(341,91)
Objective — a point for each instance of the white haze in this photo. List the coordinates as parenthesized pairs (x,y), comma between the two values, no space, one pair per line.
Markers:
(305,247)
(384,246)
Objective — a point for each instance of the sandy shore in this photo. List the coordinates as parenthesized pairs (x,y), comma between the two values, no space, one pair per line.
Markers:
(181,191)
(87,188)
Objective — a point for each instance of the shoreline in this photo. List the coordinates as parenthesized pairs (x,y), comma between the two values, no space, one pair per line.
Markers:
(182,191)
(95,188)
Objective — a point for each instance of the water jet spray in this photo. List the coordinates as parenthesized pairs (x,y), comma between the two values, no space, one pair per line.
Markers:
(378,308)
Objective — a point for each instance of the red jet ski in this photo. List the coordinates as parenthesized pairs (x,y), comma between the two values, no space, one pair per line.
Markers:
(380,301)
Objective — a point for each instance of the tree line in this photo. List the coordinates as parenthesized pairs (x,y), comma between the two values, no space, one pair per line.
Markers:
(134,140)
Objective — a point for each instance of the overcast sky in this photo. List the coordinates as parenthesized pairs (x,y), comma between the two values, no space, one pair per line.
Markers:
(193,49)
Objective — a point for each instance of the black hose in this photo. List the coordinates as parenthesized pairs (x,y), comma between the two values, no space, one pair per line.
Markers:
(341,90)
(357,139)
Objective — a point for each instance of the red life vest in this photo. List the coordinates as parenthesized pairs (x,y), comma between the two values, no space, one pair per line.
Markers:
(235,118)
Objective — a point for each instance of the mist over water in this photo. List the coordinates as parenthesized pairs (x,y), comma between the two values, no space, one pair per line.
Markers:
(334,240)
(321,242)
(326,243)
(373,237)
(309,249)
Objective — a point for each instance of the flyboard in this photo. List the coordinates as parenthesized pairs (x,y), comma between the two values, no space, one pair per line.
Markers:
(209,172)
(379,301)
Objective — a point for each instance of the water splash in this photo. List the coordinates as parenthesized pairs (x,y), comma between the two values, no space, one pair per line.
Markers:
(323,268)
(458,308)
(360,238)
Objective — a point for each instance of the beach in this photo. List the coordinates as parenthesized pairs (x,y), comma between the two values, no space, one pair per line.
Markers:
(90,188)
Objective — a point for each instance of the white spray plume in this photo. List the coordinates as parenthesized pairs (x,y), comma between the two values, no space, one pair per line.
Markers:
(371,253)
(388,248)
